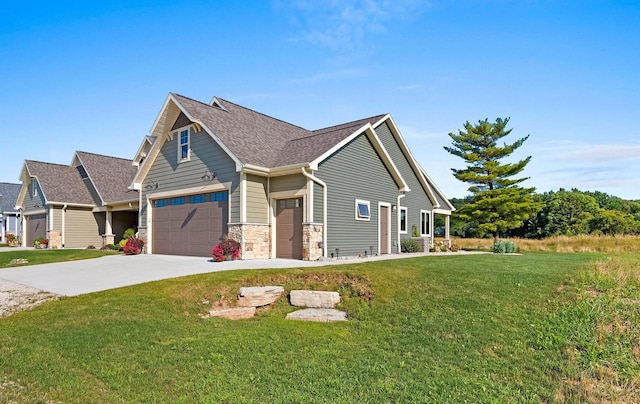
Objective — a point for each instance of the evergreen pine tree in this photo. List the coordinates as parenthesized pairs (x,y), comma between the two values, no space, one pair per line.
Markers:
(498,203)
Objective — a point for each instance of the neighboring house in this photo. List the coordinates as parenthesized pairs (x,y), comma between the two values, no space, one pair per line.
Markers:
(210,170)
(85,203)
(9,215)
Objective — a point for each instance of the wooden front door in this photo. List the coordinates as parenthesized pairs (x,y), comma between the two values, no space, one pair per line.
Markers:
(385,229)
(289,228)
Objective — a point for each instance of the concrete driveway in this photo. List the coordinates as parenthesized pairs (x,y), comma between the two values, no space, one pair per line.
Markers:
(113,271)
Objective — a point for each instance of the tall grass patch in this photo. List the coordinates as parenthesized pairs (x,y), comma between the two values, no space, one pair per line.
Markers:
(581,243)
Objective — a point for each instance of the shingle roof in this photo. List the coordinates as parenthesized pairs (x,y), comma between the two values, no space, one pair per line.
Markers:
(9,196)
(111,176)
(59,183)
(261,140)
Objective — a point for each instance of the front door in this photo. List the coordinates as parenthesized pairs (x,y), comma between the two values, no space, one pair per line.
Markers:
(289,228)
(385,230)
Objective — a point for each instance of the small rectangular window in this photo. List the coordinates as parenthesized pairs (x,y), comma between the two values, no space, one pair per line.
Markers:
(34,188)
(183,145)
(362,210)
(403,220)
(198,198)
(425,217)
(177,201)
(219,196)
(160,203)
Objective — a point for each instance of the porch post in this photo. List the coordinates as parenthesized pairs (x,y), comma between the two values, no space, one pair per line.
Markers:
(447,224)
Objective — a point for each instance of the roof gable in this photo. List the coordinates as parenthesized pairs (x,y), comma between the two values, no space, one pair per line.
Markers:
(110,176)
(8,196)
(59,183)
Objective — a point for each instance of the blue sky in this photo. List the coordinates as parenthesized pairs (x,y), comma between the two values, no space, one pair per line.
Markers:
(92,76)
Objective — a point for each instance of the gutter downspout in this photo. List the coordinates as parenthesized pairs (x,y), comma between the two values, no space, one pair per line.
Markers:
(324,208)
(400,196)
(64,213)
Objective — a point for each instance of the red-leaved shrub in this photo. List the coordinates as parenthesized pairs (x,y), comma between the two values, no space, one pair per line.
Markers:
(133,246)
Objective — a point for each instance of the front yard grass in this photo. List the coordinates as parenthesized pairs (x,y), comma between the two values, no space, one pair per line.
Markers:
(542,327)
(35,257)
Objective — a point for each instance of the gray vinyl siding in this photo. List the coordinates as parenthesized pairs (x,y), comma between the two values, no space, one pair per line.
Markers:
(82,228)
(30,201)
(356,172)
(292,182)
(257,201)
(317,203)
(206,156)
(415,200)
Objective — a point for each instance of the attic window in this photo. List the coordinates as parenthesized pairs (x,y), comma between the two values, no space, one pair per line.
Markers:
(34,188)
(184,143)
(82,171)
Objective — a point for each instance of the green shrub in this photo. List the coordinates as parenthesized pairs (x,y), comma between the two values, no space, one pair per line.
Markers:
(114,247)
(504,247)
(128,233)
(414,231)
(409,245)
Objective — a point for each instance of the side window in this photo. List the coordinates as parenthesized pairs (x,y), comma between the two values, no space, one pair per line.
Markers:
(403,220)
(34,188)
(362,210)
(425,217)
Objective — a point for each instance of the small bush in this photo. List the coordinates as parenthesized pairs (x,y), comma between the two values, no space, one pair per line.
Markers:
(12,240)
(128,233)
(122,243)
(226,249)
(133,246)
(114,247)
(409,245)
(504,247)
(91,247)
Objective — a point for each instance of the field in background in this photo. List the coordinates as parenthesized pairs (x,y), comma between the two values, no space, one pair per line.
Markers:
(610,244)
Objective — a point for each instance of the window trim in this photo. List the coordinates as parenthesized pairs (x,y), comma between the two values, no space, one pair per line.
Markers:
(178,135)
(358,216)
(428,230)
(406,219)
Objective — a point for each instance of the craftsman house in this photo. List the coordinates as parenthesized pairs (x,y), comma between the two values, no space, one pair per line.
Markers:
(9,215)
(85,203)
(210,170)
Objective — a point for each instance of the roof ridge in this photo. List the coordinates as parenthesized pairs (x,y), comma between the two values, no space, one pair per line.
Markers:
(344,125)
(263,114)
(104,155)
(46,162)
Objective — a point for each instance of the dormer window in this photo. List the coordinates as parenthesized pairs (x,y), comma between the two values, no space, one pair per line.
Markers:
(184,139)
(34,188)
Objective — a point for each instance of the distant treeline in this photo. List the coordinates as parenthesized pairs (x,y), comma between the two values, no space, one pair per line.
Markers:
(566,213)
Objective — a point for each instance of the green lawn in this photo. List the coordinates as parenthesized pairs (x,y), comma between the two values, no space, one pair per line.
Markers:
(48,256)
(538,327)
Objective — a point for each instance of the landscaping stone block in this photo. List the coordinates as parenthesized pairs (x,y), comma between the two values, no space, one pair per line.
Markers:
(257,296)
(314,299)
(235,313)
(318,315)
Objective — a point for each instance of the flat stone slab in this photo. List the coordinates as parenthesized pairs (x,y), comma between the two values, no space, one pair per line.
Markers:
(318,315)
(234,313)
(314,299)
(258,296)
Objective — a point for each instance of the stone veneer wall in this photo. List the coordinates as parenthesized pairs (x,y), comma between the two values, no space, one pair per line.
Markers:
(55,239)
(142,235)
(255,239)
(311,241)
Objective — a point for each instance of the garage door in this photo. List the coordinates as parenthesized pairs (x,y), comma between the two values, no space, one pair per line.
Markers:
(190,224)
(36,227)
(289,228)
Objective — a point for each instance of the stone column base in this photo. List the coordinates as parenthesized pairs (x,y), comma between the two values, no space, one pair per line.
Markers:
(255,239)
(55,239)
(108,239)
(312,247)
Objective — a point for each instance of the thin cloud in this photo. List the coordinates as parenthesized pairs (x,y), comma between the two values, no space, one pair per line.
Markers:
(343,26)
(605,153)
(330,76)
